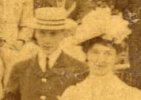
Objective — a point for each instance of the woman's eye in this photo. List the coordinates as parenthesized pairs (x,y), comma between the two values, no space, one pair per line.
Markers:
(95,52)
(53,33)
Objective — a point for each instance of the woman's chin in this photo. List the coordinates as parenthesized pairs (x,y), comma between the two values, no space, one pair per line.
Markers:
(100,72)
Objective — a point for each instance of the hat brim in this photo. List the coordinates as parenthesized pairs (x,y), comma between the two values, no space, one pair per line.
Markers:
(85,33)
(68,24)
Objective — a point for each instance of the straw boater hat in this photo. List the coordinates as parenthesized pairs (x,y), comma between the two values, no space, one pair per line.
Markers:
(51,18)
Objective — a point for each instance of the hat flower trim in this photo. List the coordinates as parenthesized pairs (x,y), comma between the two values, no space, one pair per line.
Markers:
(101,21)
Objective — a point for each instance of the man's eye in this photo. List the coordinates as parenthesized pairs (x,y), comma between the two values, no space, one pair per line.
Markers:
(107,53)
(53,33)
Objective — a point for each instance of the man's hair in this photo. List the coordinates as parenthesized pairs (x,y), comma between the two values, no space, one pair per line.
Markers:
(34,34)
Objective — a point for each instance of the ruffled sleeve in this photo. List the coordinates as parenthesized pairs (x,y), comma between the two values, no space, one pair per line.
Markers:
(80,91)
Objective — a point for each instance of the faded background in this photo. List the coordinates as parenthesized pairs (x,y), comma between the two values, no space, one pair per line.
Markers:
(132,12)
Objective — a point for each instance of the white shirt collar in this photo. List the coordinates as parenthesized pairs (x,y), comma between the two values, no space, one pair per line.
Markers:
(42,58)
(53,57)
(74,51)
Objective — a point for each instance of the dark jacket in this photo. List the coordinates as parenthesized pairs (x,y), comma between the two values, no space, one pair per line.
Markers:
(28,82)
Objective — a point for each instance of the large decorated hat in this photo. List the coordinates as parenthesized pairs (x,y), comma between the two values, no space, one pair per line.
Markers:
(101,22)
(51,18)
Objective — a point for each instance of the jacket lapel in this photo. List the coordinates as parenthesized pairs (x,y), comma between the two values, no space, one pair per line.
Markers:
(36,70)
(58,68)
(64,64)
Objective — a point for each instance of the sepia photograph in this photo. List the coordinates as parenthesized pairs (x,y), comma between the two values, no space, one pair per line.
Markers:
(70,49)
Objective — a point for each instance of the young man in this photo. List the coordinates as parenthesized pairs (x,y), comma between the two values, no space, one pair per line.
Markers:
(16,14)
(51,71)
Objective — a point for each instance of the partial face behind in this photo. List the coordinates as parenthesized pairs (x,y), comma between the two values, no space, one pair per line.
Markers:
(49,40)
(101,59)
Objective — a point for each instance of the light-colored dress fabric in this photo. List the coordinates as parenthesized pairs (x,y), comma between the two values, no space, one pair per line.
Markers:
(1,77)
(15,14)
(106,88)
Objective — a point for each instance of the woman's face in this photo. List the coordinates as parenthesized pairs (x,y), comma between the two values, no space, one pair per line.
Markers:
(101,59)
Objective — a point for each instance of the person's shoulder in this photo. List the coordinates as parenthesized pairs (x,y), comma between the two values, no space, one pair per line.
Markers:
(22,66)
(135,93)
(70,93)
(130,93)
(77,91)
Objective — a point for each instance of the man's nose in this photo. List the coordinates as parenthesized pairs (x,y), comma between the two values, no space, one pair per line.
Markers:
(101,57)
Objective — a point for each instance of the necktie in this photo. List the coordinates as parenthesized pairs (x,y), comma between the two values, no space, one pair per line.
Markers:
(47,63)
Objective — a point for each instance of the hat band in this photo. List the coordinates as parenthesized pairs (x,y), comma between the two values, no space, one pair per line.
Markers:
(49,24)
(56,20)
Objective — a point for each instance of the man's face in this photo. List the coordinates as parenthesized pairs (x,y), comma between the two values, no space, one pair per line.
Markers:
(101,59)
(49,40)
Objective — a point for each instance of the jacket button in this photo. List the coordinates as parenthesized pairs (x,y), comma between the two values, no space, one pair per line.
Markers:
(43,97)
(44,80)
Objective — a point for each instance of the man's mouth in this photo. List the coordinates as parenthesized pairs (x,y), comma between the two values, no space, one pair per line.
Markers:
(100,65)
(47,46)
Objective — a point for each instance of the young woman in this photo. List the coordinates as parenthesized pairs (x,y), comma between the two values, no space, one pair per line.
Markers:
(102,83)
(102,34)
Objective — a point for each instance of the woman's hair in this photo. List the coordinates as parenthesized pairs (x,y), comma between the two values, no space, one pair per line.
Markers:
(89,43)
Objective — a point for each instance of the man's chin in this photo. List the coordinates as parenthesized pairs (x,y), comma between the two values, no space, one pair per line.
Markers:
(101,73)
(45,48)
(49,51)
